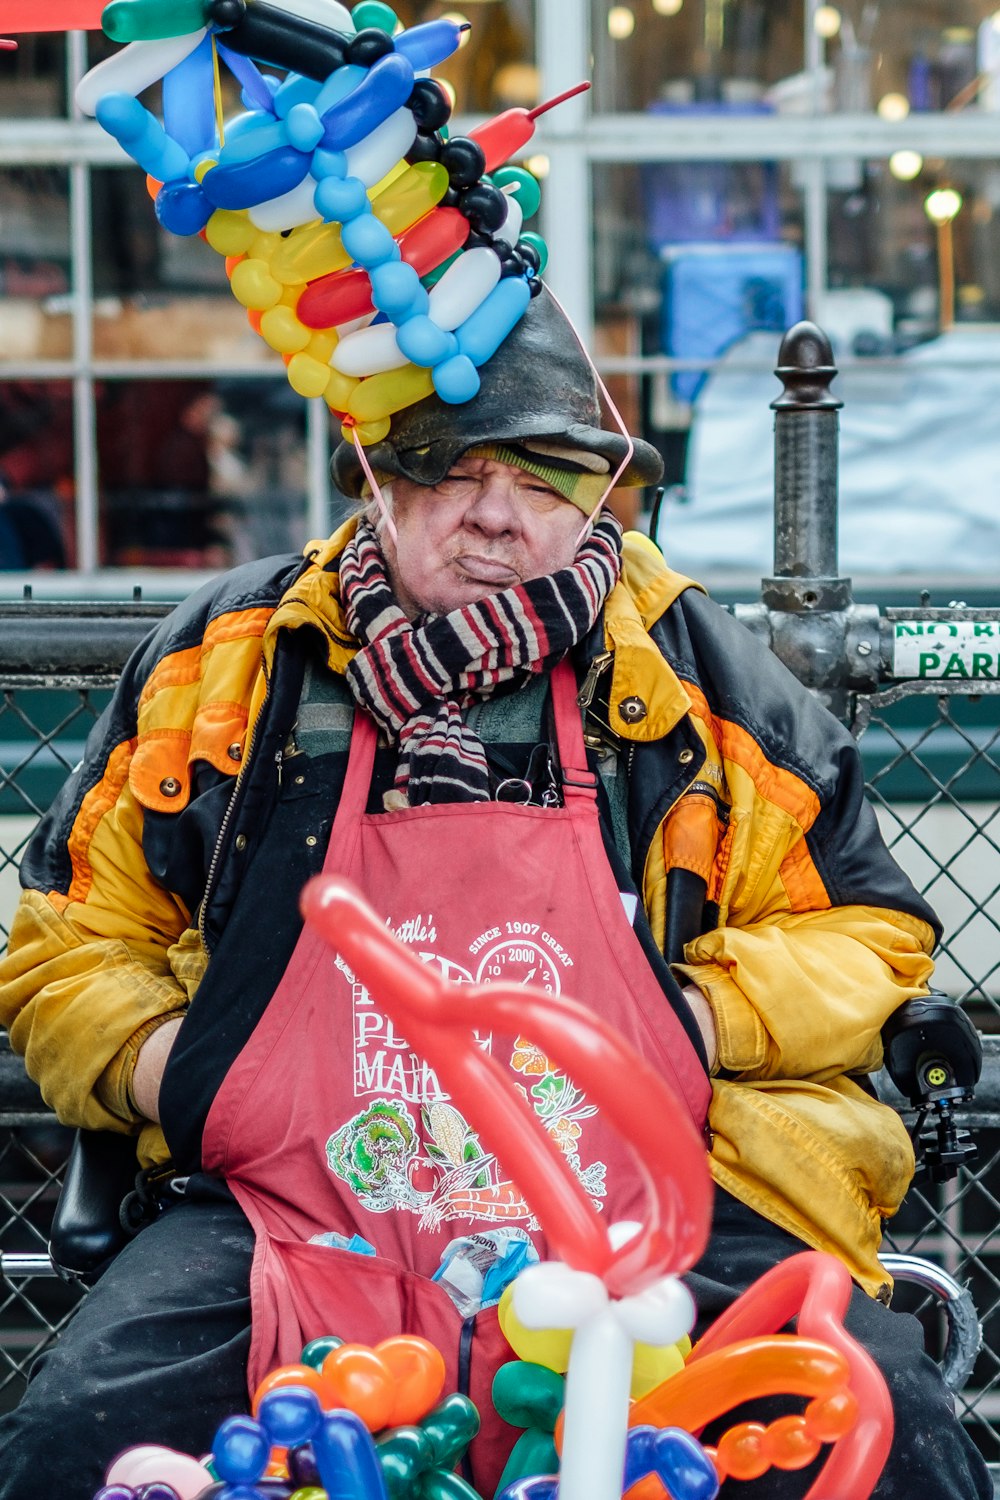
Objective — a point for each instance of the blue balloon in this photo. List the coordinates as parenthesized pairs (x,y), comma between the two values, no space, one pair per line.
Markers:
(427,45)
(290,1415)
(295,90)
(251,136)
(537,1487)
(396,291)
(385,88)
(339,84)
(240,1451)
(482,333)
(366,239)
(304,127)
(254,90)
(241,184)
(340,199)
(675,1457)
(182,207)
(329,164)
(189,102)
(346,1459)
(424,343)
(143,137)
(456,379)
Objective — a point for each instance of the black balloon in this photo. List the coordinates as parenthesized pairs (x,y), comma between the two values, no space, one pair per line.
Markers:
(529,254)
(534,285)
(451,199)
(302,1468)
(366,47)
(511,265)
(226,13)
(484,206)
(465,161)
(478,241)
(429,105)
(426,147)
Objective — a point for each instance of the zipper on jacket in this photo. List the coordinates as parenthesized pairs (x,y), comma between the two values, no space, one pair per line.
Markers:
(213,867)
(595,672)
(705,789)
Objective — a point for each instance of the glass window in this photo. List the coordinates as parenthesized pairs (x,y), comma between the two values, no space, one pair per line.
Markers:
(36,475)
(494,68)
(35,263)
(33,78)
(199,474)
(690,259)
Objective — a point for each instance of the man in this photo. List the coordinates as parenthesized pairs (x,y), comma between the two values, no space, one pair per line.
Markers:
(378,708)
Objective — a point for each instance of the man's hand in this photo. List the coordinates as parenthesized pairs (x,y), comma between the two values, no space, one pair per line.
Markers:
(702,1012)
(149,1066)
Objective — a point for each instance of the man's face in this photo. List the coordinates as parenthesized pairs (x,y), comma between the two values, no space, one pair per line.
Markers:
(486,527)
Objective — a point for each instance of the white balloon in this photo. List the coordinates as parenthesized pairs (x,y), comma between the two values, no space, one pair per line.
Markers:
(660,1315)
(510,229)
(167,1466)
(134,68)
(382,147)
(371,351)
(595,1419)
(325,12)
(551,1295)
(465,284)
(288,211)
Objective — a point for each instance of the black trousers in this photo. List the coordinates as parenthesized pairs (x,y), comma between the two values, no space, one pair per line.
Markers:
(157,1353)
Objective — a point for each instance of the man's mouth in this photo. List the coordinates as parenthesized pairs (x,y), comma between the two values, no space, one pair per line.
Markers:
(487,570)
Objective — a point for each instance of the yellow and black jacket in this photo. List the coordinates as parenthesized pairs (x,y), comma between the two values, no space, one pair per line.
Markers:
(810,934)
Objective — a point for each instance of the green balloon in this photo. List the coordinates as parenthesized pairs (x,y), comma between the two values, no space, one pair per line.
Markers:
(316,1350)
(450,1426)
(151,20)
(441,1486)
(374,13)
(403,1454)
(533,1453)
(528,1395)
(528,194)
(540,245)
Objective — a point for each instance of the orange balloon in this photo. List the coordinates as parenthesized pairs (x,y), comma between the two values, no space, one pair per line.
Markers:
(254,316)
(782,1364)
(360,1381)
(829,1418)
(418,1375)
(232,261)
(152,186)
(742,1452)
(297,1375)
(790,1444)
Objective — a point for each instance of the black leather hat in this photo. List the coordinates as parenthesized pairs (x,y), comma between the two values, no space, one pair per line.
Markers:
(539,384)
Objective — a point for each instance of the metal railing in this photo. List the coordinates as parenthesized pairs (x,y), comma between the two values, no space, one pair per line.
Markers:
(921,688)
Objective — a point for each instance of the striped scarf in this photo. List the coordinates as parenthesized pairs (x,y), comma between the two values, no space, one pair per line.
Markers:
(416,678)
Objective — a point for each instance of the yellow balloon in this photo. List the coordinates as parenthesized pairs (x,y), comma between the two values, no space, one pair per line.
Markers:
(651,1366)
(389,178)
(254,286)
(312,251)
(379,396)
(368,432)
(322,345)
(412,195)
(308,376)
(281,329)
(339,390)
(230,232)
(202,170)
(542,1346)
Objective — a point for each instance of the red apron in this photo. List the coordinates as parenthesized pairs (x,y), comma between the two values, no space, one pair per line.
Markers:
(328,1122)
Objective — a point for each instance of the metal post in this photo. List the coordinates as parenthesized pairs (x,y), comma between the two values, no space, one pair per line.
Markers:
(806,614)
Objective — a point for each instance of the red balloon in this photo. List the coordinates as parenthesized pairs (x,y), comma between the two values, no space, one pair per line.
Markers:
(55,15)
(440,1020)
(341,296)
(817,1288)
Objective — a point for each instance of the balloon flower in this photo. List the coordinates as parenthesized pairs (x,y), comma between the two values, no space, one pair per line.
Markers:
(612,1287)
(383,259)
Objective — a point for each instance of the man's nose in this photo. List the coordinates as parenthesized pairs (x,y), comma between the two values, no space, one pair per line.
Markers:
(494,511)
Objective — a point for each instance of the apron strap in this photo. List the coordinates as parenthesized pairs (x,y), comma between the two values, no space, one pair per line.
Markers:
(579,782)
(357,781)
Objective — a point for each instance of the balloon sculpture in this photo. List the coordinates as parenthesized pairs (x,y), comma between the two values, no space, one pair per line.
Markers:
(368,1424)
(383,260)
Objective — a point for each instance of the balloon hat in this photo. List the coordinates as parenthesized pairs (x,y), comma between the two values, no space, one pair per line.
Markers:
(384,260)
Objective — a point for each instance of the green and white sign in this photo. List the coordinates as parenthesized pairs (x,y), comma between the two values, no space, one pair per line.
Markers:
(950,649)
